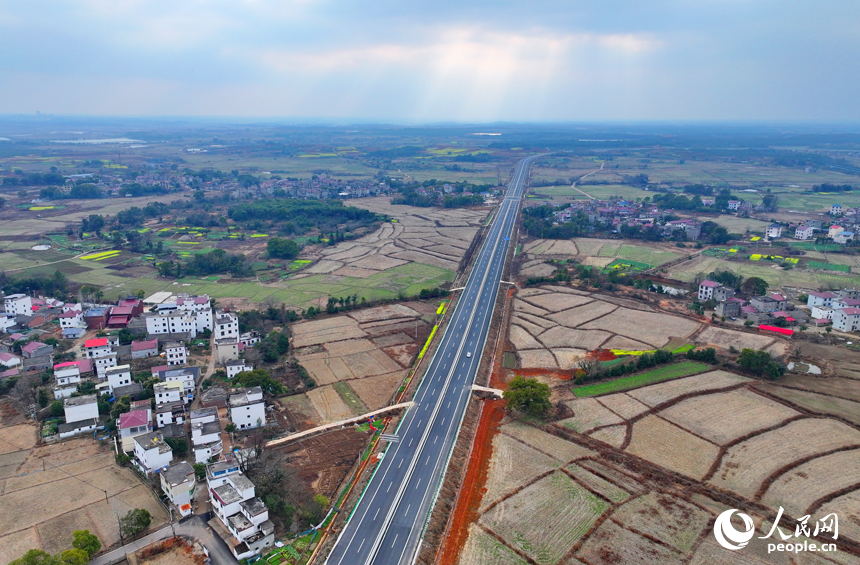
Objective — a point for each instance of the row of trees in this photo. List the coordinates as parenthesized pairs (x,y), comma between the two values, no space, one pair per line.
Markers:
(84,546)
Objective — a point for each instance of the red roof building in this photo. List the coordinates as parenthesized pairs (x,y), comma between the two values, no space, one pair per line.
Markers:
(96,342)
(783,331)
(84,365)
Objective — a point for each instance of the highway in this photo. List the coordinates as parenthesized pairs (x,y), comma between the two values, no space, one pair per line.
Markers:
(388,522)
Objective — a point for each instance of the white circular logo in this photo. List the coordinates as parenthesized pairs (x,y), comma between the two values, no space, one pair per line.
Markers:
(726,533)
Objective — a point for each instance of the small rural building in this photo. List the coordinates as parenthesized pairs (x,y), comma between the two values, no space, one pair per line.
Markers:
(820,298)
(247,408)
(178,483)
(175,353)
(8,360)
(774,231)
(96,318)
(226,349)
(846,319)
(804,232)
(144,348)
(131,424)
(36,349)
(18,305)
(237,366)
(118,376)
(151,452)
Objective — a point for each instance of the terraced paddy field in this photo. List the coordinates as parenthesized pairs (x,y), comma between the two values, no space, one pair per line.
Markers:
(653,464)
(646,472)
(358,360)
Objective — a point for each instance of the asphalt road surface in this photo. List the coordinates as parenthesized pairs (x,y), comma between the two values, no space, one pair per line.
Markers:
(388,523)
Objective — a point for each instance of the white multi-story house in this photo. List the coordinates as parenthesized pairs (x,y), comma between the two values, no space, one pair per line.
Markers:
(6,321)
(774,231)
(72,322)
(102,364)
(247,408)
(178,483)
(804,232)
(67,378)
(706,289)
(237,366)
(175,353)
(835,209)
(205,434)
(185,375)
(244,515)
(169,392)
(175,322)
(100,347)
(844,237)
(82,415)
(81,408)
(820,299)
(170,413)
(118,376)
(18,305)
(227,326)
(131,424)
(822,313)
(226,349)
(151,452)
(200,307)
(733,205)
(846,319)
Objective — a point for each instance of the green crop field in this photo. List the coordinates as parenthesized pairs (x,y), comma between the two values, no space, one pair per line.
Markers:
(303,292)
(770,272)
(740,225)
(674,371)
(638,253)
(829,266)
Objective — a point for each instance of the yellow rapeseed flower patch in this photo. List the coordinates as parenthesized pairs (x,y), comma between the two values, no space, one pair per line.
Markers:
(99,256)
(37,208)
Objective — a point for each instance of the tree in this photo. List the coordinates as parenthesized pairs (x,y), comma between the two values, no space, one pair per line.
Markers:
(260,378)
(57,409)
(755,286)
(199,471)
(36,557)
(74,557)
(134,522)
(759,363)
(178,445)
(230,428)
(282,248)
(528,395)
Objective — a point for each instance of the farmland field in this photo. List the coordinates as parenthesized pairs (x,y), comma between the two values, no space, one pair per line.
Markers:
(673,371)
(746,465)
(358,359)
(545,519)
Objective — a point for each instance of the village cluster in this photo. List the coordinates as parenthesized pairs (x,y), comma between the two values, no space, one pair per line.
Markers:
(318,187)
(105,369)
(618,213)
(841,308)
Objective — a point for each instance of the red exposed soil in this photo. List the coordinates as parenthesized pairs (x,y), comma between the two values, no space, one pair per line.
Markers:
(563,374)
(473,487)
(601,355)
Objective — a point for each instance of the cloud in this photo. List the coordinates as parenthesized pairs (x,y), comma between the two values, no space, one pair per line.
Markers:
(422,60)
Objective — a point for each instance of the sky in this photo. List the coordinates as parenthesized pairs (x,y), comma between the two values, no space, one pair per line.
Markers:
(416,61)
